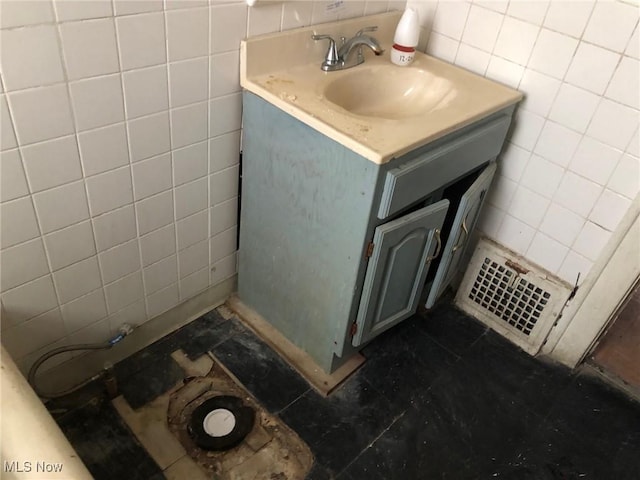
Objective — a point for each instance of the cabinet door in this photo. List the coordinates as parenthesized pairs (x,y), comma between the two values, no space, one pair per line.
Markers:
(464,222)
(402,252)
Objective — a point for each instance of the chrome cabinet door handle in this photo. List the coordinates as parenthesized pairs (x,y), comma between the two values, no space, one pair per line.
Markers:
(463,238)
(438,246)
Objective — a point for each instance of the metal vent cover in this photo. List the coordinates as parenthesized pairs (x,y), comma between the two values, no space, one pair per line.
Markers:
(516,299)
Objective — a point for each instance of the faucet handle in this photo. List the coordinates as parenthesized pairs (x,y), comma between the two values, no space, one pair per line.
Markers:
(372,28)
(331,57)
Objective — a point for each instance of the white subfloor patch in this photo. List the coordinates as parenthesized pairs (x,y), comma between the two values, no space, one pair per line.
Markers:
(515,298)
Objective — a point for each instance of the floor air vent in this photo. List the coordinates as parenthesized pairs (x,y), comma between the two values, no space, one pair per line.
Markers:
(511,296)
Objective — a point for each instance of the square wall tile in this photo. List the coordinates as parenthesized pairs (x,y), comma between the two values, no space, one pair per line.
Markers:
(13,182)
(97,101)
(115,227)
(20,14)
(633,148)
(266,19)
(225,73)
(62,206)
(592,68)
(41,113)
(28,300)
(224,151)
(68,10)
(52,163)
(561,224)
(574,107)
(124,292)
(515,234)
(223,185)
(552,53)
(575,268)
(158,245)
(542,176)
(609,210)
(613,124)
(482,28)
(118,262)
(540,91)
(97,332)
(162,300)
(103,149)
(633,47)
(189,81)
(225,114)
(591,240)
(194,283)
(223,269)
(516,39)
(490,221)
(193,258)
(606,14)
(224,216)
(34,334)
(30,57)
(528,207)
(442,47)
(532,11)
(155,212)
(297,14)
(149,136)
(110,190)
(160,274)
(17,222)
(7,135)
(84,311)
(193,229)
(501,193)
(89,48)
(70,245)
(142,40)
(504,71)
(152,176)
(188,33)
(472,59)
(191,198)
(173,4)
(146,91)
(513,161)
(450,18)
(223,244)
(190,163)
(577,194)
(526,129)
(546,252)
(189,124)
(625,179)
(128,7)
(594,160)
(77,280)
(557,143)
(228,26)
(134,314)
(622,85)
(569,18)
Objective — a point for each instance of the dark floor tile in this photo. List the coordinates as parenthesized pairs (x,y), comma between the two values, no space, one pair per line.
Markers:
(405,366)
(202,335)
(145,385)
(339,427)
(451,328)
(267,376)
(319,472)
(593,409)
(105,444)
(532,381)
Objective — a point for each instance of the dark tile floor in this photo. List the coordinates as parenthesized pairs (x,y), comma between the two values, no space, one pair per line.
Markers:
(439,397)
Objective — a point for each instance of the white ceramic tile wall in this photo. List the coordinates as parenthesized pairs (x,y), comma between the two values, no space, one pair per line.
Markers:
(119,165)
(571,168)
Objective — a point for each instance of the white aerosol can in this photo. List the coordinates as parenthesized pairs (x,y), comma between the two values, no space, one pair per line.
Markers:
(406,38)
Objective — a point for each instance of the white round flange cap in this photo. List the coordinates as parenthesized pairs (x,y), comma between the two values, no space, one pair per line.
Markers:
(219,422)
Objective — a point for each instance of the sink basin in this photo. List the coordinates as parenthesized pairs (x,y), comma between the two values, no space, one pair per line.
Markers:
(390,92)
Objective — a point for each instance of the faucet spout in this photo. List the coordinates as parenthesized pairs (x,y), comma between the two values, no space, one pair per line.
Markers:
(359,41)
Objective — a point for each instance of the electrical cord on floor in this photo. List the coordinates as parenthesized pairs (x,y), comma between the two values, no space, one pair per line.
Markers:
(124,330)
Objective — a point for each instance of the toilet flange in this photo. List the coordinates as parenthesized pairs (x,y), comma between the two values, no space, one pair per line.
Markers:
(220,423)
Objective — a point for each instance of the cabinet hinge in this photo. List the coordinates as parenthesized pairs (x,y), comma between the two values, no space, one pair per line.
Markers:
(369,251)
(354,329)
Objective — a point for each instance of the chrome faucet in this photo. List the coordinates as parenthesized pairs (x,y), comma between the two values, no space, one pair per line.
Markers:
(339,59)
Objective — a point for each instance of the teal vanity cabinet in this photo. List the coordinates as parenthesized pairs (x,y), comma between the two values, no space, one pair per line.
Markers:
(334,248)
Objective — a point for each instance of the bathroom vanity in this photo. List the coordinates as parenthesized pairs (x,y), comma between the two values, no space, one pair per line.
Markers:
(353,207)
